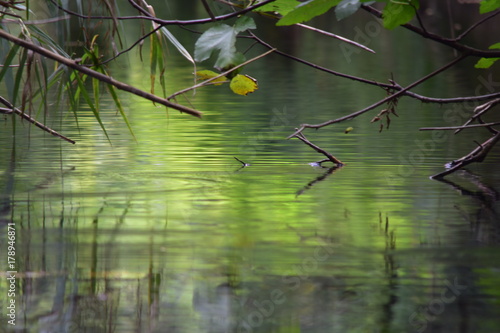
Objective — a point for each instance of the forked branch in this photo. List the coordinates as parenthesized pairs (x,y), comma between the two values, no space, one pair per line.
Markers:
(329,156)
(477,155)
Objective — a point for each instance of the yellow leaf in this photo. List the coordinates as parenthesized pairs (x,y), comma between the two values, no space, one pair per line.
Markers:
(206,74)
(243,84)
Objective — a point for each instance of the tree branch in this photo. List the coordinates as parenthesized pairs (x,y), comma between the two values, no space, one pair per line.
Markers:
(329,156)
(160,21)
(479,111)
(101,77)
(477,155)
(475,25)
(449,128)
(453,43)
(393,86)
(23,115)
(385,100)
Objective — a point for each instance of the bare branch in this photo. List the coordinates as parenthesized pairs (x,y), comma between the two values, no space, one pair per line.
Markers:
(453,43)
(23,115)
(330,157)
(160,21)
(477,155)
(479,111)
(104,78)
(393,86)
(329,34)
(383,101)
(323,32)
(475,25)
(449,128)
(208,10)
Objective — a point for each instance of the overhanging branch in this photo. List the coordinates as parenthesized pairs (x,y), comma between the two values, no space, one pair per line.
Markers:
(101,77)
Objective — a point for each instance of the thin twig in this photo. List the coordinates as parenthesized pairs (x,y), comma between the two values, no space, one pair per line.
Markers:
(132,46)
(475,25)
(37,22)
(329,34)
(480,110)
(38,124)
(310,64)
(382,101)
(160,21)
(457,127)
(201,84)
(208,10)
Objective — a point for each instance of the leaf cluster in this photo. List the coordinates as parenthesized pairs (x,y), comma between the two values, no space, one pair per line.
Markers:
(386,114)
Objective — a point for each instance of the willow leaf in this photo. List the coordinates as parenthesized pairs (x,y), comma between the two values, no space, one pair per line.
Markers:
(91,105)
(120,109)
(177,44)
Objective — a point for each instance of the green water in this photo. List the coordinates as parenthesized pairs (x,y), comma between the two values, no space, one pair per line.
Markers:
(168,233)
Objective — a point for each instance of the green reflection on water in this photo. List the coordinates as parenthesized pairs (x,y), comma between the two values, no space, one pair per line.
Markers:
(169,233)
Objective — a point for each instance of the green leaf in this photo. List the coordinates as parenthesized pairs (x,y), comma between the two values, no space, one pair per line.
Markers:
(487,6)
(120,108)
(244,23)
(86,96)
(398,13)
(487,62)
(221,38)
(307,10)
(207,74)
(281,7)
(494,46)
(484,63)
(243,84)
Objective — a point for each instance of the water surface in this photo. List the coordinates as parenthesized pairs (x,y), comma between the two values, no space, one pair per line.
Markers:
(166,232)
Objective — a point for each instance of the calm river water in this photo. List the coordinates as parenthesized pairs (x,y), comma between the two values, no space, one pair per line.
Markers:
(168,233)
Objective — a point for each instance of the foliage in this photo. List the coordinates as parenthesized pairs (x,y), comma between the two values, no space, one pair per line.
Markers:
(239,84)
(37,63)
(306,11)
(488,62)
(221,38)
(395,13)
(487,6)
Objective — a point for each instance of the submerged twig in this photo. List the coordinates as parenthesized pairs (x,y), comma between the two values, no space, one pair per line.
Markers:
(242,163)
